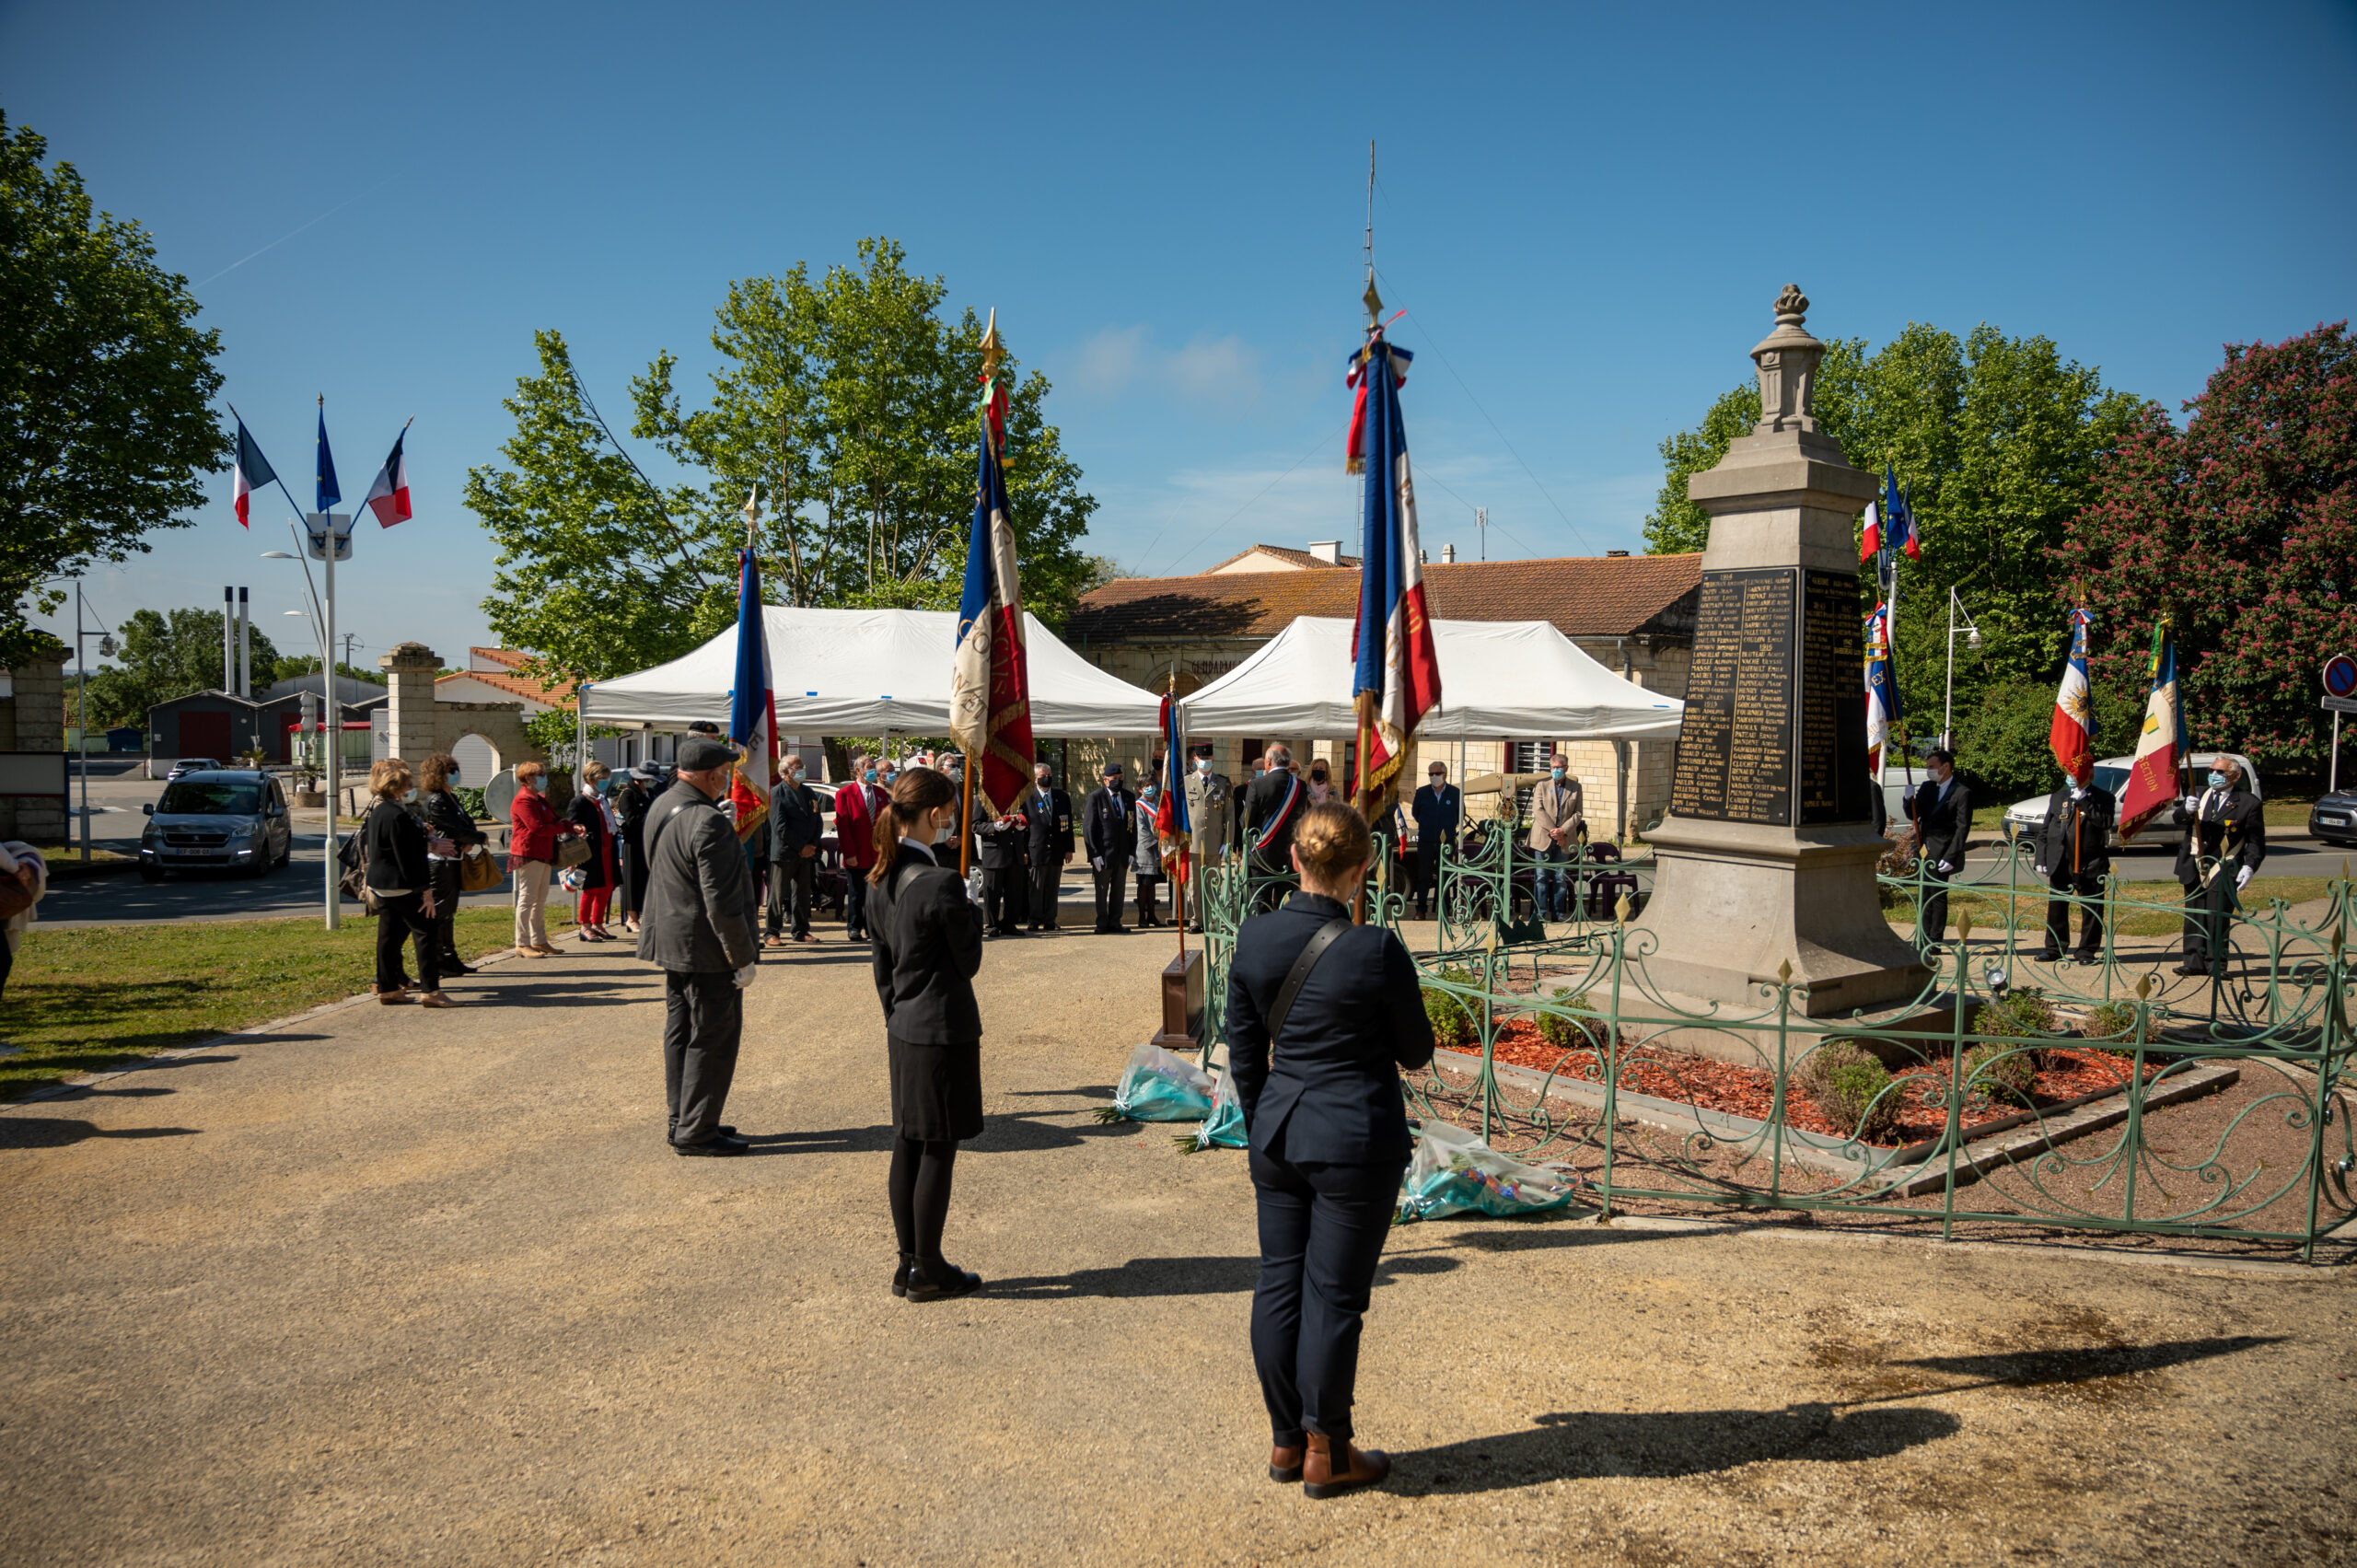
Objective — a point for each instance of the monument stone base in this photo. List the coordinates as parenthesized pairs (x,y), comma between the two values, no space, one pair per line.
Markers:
(1735,901)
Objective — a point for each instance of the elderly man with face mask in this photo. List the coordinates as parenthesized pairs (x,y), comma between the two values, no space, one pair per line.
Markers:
(2226,840)
(797,823)
(700,928)
(1942,811)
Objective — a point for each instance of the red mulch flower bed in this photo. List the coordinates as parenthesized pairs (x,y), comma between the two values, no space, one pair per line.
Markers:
(1749,1091)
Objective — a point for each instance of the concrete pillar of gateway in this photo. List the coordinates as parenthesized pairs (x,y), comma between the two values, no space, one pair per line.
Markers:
(1768,853)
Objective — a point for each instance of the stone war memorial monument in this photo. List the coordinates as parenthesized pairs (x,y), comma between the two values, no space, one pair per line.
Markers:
(1767,855)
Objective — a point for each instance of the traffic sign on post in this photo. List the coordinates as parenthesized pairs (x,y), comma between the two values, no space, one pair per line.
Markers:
(2340,676)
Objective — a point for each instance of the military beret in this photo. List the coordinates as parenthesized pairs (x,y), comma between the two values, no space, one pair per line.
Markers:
(697,755)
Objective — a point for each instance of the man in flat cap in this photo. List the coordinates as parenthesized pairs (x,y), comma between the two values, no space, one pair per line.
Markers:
(700,926)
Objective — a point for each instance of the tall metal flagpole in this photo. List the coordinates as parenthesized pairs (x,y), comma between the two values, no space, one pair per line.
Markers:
(332,711)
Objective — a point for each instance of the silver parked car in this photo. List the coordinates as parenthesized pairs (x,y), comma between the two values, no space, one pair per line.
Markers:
(224,819)
(2111,774)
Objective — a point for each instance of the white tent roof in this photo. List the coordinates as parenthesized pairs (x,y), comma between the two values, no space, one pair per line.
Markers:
(1513,680)
(869,672)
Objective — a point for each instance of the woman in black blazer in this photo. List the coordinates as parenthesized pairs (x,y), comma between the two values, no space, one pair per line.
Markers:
(587,813)
(1327,1128)
(403,882)
(446,819)
(927,941)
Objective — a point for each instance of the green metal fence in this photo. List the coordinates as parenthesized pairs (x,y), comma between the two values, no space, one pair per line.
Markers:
(2210,1109)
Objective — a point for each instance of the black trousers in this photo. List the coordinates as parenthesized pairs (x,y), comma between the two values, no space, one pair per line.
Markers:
(1046,882)
(1322,1230)
(703,1022)
(444,940)
(1935,920)
(1148,882)
(854,897)
(1111,880)
(2207,911)
(2086,884)
(1003,897)
(1427,875)
(398,918)
(793,888)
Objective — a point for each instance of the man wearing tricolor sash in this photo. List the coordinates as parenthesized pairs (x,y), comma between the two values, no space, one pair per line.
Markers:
(2226,840)
(1272,806)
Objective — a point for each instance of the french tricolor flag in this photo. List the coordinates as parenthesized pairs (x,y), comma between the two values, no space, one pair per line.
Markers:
(1398,679)
(753,705)
(253,473)
(388,496)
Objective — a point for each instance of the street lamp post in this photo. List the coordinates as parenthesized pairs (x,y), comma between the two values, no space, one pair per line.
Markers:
(1971,640)
(82,705)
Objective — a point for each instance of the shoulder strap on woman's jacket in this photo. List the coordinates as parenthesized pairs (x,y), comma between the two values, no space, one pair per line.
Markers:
(1324,937)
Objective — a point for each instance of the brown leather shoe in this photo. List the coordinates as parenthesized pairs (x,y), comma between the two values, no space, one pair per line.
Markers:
(1284,1464)
(520,952)
(431,998)
(544,952)
(398,994)
(1326,1474)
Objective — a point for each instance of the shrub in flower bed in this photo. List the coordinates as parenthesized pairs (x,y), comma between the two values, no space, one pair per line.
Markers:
(1846,1084)
(1453,1023)
(2004,1071)
(2022,1011)
(1579,1030)
(2114,1021)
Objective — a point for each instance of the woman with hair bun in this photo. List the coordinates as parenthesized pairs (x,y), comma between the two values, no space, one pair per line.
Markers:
(1319,1078)
(927,939)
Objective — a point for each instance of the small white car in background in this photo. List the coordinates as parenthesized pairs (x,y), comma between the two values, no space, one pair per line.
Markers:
(2111,774)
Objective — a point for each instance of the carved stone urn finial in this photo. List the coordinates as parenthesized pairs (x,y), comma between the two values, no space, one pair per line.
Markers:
(1787,359)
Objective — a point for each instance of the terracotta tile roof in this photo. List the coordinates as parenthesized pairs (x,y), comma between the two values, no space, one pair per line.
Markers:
(1285,553)
(1583,596)
(553,694)
(512,658)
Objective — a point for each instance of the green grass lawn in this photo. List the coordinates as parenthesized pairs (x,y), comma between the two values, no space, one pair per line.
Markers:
(93,998)
(2135,917)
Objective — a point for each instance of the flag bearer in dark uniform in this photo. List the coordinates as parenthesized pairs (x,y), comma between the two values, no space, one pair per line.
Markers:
(1048,843)
(1108,831)
(1318,1072)
(1943,823)
(2073,854)
(2225,839)
(1438,808)
(1003,872)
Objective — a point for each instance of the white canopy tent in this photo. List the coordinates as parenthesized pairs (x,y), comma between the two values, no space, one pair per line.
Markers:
(1498,680)
(868,672)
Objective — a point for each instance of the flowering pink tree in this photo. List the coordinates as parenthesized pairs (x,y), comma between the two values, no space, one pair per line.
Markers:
(2242,528)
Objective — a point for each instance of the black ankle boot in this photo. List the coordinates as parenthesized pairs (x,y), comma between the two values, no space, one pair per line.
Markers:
(941,1281)
(900,1275)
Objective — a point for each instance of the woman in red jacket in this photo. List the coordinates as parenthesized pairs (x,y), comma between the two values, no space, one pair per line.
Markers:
(533,831)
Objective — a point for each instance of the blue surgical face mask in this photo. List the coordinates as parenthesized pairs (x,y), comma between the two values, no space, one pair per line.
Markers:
(2217,779)
(541,784)
(1202,764)
(1558,773)
(605,786)
(869,775)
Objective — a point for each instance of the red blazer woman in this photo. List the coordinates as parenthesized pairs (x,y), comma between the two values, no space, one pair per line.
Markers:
(855,825)
(533,829)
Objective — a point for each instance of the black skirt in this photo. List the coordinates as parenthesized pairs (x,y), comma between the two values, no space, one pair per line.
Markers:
(937,1089)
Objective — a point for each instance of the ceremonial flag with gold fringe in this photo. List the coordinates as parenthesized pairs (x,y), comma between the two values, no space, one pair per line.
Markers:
(990,682)
(1397,677)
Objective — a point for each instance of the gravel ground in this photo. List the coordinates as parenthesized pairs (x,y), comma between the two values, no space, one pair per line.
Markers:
(397,1287)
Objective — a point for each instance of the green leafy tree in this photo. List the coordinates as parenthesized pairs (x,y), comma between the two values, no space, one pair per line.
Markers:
(2242,528)
(1997,440)
(166,656)
(105,387)
(848,400)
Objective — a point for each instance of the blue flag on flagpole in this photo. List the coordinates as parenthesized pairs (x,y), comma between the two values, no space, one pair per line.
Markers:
(328,493)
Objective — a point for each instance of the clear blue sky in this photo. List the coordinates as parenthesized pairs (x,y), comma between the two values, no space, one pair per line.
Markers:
(1585,211)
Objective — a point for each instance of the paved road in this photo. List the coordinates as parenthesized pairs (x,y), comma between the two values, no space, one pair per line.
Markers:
(393,1287)
(2285,858)
(297,888)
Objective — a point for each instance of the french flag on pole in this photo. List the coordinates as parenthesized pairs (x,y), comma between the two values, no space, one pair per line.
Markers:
(1398,679)
(753,705)
(388,496)
(990,677)
(253,473)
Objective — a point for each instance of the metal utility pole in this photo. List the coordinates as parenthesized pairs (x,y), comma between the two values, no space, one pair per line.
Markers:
(245,646)
(229,641)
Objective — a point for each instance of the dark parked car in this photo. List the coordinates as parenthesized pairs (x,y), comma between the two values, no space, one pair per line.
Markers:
(2333,819)
(224,819)
(188,765)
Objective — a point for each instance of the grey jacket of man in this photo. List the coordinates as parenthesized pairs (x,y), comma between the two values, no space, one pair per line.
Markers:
(1555,805)
(1211,816)
(698,918)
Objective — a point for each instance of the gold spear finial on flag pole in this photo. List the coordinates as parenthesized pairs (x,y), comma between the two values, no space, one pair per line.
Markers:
(992,348)
(752,514)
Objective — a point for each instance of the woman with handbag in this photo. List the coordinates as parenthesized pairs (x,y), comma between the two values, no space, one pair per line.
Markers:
(927,937)
(452,833)
(403,883)
(595,818)
(1322,1017)
(533,832)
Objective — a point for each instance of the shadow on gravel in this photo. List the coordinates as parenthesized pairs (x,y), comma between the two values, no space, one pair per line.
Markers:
(1180,1276)
(1657,1444)
(2032,1367)
(57,1131)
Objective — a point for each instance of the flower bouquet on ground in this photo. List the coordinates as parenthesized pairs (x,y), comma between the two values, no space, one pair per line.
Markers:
(1158,1087)
(1455,1172)
(1224,1129)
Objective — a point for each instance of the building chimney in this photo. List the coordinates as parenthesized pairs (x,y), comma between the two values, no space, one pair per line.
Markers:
(1329,551)
(1447,554)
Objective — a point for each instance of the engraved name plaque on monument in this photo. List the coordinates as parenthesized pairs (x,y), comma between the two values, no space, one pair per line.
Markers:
(1767,856)
(1773,704)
